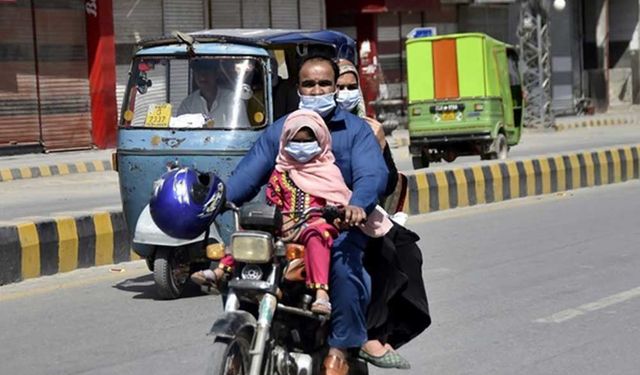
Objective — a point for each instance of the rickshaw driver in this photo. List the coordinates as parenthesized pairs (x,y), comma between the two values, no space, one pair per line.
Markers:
(359,158)
(217,103)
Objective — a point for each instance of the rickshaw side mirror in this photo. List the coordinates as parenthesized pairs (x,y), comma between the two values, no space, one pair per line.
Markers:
(143,83)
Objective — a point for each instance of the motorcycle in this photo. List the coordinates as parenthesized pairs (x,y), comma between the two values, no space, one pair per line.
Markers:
(267,327)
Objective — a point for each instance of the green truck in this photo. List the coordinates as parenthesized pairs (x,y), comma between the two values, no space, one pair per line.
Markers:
(464,98)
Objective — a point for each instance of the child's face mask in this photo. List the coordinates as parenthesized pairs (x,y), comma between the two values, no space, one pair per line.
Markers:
(302,152)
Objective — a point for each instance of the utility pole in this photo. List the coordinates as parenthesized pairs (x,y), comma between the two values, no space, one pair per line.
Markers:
(535,63)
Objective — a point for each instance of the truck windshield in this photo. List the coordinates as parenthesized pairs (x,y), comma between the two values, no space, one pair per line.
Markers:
(204,92)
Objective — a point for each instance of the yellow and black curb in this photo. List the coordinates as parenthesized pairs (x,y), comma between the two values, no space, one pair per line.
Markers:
(9,174)
(595,121)
(52,245)
(499,181)
(61,244)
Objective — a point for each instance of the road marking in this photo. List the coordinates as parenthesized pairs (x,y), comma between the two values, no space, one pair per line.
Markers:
(600,304)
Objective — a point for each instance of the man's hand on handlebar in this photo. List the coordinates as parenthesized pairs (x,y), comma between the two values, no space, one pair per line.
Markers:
(353,216)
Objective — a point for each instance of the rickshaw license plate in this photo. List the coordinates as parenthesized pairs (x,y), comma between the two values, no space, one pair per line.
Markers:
(448,116)
(158,115)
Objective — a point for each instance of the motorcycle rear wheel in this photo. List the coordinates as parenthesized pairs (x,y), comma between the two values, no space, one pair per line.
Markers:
(229,357)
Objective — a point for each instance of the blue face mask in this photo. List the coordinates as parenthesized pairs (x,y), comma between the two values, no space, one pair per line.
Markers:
(320,104)
(348,99)
(302,152)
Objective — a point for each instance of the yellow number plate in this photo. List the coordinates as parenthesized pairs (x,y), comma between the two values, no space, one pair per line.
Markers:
(158,115)
(448,116)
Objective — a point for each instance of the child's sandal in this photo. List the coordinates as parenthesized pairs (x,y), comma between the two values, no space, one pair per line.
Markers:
(208,281)
(321,307)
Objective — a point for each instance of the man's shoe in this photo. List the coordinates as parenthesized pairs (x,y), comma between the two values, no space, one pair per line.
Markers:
(334,365)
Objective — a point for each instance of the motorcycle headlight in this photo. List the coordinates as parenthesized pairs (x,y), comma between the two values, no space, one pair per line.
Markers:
(252,247)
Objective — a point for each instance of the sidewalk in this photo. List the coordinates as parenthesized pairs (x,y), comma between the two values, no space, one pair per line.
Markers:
(17,167)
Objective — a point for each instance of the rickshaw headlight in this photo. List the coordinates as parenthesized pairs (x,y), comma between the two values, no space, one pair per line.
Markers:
(252,247)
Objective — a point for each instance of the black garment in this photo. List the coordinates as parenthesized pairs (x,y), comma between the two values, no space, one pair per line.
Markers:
(399,310)
(392,180)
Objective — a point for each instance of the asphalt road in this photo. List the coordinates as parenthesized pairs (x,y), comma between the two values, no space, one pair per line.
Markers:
(546,285)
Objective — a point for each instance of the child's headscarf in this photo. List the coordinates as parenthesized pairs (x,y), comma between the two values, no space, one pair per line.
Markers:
(320,176)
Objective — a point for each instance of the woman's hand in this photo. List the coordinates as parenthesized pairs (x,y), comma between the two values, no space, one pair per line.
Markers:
(378,131)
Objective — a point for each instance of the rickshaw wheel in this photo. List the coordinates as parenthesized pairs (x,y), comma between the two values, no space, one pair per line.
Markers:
(501,147)
(171,272)
(421,161)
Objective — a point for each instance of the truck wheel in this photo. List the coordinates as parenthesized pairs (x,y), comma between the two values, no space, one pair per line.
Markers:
(421,161)
(170,272)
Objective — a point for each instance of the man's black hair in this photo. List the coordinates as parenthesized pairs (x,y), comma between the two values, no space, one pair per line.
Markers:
(320,57)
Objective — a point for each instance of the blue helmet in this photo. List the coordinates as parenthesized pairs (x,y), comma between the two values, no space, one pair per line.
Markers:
(185,202)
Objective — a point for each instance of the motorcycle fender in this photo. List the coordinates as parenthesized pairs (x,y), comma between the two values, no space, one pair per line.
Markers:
(230,323)
(148,233)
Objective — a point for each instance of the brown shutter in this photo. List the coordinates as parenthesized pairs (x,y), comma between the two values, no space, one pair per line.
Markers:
(65,112)
(18,92)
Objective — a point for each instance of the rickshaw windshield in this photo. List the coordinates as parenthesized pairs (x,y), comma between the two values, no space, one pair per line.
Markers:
(199,93)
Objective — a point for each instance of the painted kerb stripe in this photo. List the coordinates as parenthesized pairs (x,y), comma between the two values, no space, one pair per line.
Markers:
(495,182)
(62,244)
(9,174)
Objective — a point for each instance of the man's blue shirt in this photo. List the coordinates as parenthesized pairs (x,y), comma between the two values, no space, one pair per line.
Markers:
(358,156)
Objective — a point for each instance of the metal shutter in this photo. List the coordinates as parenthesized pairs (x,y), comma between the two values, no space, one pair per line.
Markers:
(183,15)
(312,14)
(284,14)
(65,112)
(137,19)
(19,124)
(492,20)
(132,20)
(255,13)
(225,14)
(623,16)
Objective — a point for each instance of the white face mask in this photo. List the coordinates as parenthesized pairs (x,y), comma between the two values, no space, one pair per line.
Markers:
(302,152)
(320,104)
(348,99)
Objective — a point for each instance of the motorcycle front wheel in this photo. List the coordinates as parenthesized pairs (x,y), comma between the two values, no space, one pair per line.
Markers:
(229,357)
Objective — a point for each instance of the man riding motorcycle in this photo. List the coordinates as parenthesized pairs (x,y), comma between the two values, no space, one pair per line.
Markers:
(359,158)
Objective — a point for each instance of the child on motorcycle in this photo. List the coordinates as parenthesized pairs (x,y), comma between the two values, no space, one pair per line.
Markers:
(305,176)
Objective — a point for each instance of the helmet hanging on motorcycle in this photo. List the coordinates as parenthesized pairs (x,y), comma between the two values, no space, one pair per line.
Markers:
(185,202)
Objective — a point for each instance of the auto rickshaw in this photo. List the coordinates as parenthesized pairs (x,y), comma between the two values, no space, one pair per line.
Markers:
(254,74)
(464,98)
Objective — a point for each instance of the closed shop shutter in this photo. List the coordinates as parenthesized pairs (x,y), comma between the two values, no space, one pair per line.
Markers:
(133,20)
(65,112)
(225,14)
(137,19)
(312,14)
(183,15)
(284,14)
(255,14)
(19,123)
(492,20)
(624,18)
